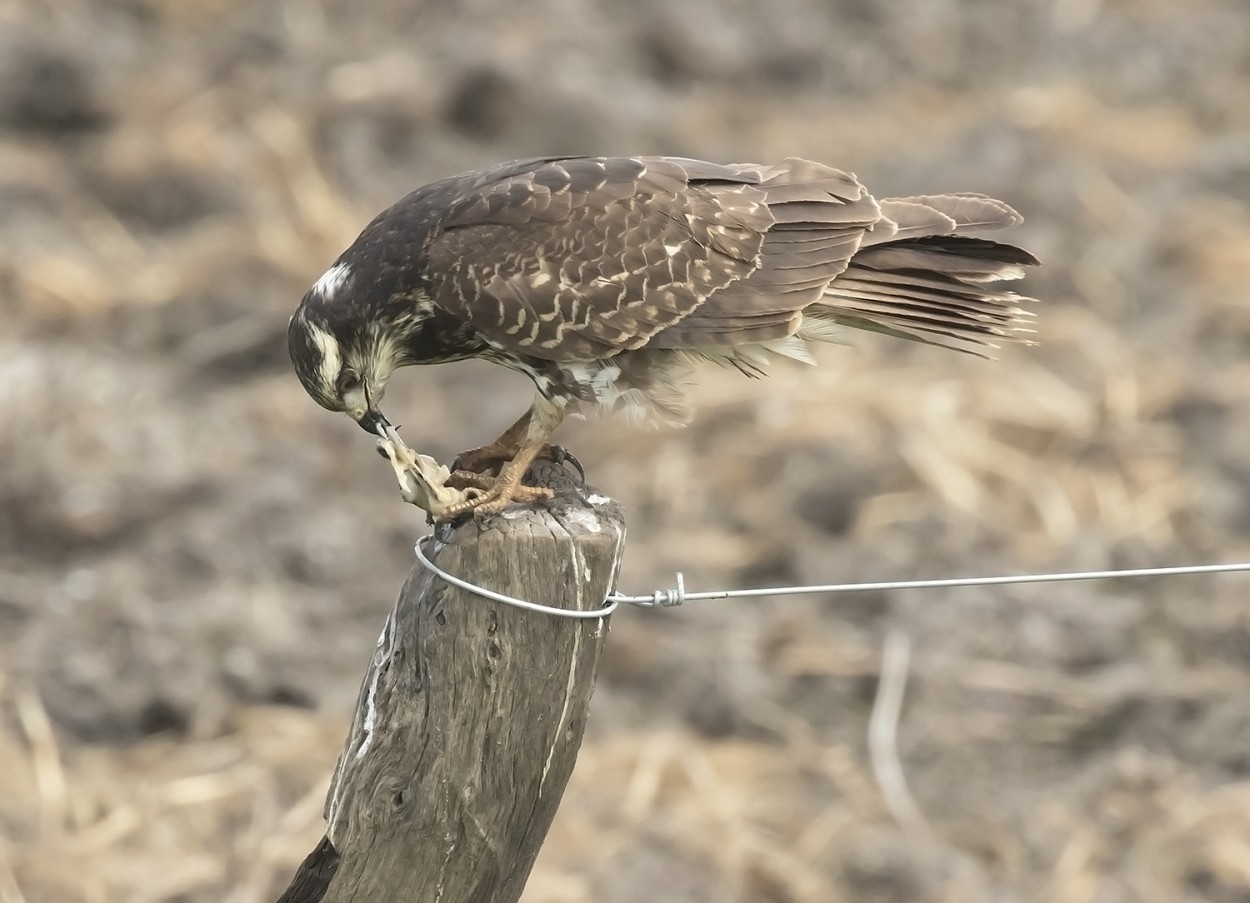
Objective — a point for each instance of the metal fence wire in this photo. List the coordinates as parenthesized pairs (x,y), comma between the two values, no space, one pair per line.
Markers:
(678,595)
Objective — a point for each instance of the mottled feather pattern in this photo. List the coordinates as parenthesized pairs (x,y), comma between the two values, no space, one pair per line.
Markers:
(635,254)
(604,278)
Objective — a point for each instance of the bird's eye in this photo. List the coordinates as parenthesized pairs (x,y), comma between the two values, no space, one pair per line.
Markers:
(348,381)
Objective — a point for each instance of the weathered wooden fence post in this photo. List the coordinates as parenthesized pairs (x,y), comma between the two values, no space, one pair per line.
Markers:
(471,713)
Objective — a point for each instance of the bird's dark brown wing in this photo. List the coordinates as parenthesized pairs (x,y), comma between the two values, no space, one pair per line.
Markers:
(583,258)
(821,216)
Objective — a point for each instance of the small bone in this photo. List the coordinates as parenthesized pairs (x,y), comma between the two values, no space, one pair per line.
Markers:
(422,480)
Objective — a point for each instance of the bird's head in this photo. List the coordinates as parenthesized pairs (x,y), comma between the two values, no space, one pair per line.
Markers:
(343,356)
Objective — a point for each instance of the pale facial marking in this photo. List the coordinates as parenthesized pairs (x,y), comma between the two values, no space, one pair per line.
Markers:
(331,361)
(332,280)
(384,354)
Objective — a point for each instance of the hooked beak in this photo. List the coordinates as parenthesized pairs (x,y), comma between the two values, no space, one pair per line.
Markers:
(374,422)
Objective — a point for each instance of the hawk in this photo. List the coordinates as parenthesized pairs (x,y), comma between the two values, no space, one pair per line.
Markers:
(603,279)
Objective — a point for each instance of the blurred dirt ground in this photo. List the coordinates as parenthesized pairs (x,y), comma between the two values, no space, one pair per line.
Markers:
(195,559)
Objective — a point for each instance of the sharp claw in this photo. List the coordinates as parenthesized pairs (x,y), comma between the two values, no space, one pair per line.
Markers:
(561,456)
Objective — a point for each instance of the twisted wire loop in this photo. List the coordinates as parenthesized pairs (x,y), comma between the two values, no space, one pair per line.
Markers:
(670,598)
(609,604)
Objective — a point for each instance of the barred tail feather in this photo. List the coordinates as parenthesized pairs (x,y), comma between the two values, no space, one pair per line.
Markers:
(938,289)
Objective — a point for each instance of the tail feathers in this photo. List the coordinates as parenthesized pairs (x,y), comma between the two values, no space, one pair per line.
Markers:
(967,259)
(939,214)
(938,290)
(908,219)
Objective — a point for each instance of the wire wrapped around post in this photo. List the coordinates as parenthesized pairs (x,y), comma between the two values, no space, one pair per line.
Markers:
(471,712)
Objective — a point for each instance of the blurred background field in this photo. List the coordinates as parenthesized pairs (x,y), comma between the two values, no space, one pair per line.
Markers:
(195,559)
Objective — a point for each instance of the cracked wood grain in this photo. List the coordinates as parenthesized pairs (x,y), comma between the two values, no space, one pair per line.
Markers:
(471,713)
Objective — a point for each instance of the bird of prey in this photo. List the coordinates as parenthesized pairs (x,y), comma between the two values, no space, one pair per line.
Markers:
(603,279)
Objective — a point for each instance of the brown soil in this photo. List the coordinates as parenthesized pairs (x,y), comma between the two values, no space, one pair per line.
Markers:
(195,559)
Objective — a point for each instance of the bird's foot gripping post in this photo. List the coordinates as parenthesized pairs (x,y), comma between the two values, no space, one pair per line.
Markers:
(497,493)
(471,711)
(448,494)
